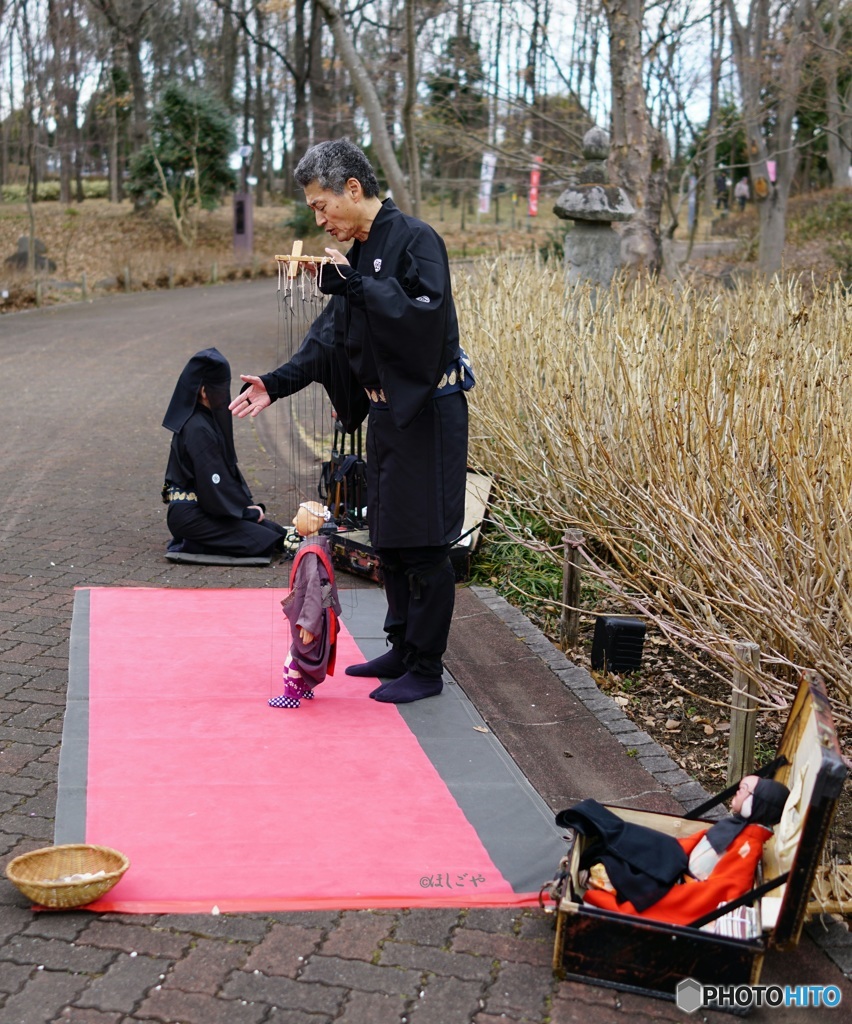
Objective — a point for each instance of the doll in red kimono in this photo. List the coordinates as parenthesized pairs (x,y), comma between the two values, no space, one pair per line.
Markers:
(312,609)
(636,870)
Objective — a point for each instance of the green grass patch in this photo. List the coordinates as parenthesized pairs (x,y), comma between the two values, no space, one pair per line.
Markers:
(48,191)
(530,578)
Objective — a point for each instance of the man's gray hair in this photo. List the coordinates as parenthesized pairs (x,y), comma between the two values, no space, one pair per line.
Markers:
(332,164)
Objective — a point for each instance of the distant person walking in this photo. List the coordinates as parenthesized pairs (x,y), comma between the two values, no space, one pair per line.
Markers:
(741,193)
(721,191)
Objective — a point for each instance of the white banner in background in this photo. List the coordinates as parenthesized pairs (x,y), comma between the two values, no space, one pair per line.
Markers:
(486,179)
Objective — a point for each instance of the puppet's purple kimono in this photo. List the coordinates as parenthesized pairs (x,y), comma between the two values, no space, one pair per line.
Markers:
(312,604)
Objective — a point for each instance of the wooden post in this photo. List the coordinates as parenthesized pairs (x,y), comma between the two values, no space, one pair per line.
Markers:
(84,288)
(214,273)
(570,625)
(743,714)
(38,293)
(127,279)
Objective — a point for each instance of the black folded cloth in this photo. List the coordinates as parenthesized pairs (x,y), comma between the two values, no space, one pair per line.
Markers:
(642,863)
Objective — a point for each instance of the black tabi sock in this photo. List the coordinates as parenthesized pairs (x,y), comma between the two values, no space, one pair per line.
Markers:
(408,688)
(389,665)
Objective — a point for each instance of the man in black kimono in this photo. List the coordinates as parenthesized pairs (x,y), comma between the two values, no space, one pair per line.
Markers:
(211,510)
(388,344)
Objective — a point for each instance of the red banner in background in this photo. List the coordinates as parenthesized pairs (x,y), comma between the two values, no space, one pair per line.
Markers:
(535,179)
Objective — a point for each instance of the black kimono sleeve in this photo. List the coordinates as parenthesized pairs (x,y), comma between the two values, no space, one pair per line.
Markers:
(221,491)
(321,359)
(407,316)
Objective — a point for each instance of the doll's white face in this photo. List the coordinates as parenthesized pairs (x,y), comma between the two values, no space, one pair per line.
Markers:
(746,790)
(306,522)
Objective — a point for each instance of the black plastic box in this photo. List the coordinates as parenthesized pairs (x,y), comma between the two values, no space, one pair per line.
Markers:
(617,643)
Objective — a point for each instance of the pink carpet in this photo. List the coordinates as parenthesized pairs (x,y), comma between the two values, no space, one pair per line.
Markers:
(220,801)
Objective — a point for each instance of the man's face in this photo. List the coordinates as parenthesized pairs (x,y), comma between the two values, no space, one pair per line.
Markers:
(340,216)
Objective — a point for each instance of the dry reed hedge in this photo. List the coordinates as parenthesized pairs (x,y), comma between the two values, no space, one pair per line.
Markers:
(702,442)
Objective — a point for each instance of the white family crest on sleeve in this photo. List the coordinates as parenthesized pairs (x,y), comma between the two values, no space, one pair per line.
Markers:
(377,265)
(215,478)
(423,298)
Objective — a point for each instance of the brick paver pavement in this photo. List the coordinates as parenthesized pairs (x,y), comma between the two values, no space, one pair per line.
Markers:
(83,453)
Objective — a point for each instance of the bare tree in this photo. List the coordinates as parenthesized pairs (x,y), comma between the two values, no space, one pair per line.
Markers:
(831,27)
(408,110)
(769,52)
(63,24)
(227,53)
(585,55)
(322,93)
(307,66)
(708,170)
(5,124)
(371,103)
(638,156)
(30,46)
(128,20)
(8,102)
(260,108)
(290,33)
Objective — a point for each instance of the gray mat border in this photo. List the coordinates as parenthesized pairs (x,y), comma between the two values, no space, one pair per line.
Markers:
(70,823)
(515,825)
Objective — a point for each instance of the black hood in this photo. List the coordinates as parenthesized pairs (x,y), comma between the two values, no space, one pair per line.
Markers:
(210,368)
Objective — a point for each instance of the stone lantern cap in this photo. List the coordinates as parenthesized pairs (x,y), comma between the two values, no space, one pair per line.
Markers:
(592,198)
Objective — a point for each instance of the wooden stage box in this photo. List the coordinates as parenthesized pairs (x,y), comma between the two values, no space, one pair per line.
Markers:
(634,954)
(352,551)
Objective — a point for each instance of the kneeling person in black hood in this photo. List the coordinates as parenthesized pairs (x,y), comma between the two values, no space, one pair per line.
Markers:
(211,509)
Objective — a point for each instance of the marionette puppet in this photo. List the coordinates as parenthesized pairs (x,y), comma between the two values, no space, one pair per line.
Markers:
(312,609)
(632,869)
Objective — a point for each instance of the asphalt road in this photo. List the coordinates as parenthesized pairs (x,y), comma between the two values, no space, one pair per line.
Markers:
(87,386)
(82,455)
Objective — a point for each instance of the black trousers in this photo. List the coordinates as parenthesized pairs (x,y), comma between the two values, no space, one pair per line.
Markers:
(420,586)
(241,538)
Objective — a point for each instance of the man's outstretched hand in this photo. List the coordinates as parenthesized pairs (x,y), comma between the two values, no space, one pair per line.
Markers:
(253,400)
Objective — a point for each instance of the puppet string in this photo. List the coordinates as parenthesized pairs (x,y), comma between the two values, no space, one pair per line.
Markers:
(310,430)
(274,621)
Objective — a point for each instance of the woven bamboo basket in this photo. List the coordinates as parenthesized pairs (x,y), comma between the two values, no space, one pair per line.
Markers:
(39,874)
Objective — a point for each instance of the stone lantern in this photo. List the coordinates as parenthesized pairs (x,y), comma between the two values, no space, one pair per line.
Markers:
(592,247)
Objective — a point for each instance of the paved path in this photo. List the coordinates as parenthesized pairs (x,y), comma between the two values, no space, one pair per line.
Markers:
(83,454)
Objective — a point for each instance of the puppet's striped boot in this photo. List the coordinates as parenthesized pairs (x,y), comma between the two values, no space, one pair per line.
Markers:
(290,698)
